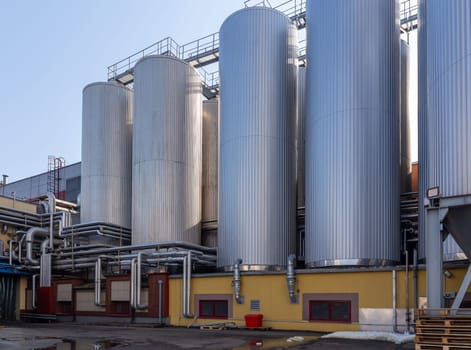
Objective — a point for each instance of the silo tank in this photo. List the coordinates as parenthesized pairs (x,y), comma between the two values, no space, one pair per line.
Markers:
(167,151)
(107,118)
(406,164)
(257,203)
(352,133)
(445,55)
(210,171)
(301,137)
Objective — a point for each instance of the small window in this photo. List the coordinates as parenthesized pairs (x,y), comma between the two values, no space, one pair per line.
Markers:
(255,305)
(213,309)
(330,311)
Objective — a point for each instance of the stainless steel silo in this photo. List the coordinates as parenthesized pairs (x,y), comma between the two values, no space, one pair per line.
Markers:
(210,171)
(352,133)
(167,151)
(406,164)
(445,63)
(107,118)
(301,137)
(257,188)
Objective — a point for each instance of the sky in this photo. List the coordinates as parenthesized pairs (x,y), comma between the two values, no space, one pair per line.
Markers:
(51,49)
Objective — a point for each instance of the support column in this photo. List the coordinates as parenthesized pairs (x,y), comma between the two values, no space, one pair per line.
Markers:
(434,256)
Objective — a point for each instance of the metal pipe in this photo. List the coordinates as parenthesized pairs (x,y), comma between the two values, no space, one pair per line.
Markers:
(98,283)
(188,285)
(408,314)
(236,282)
(415,279)
(184,287)
(160,283)
(132,302)
(30,236)
(20,247)
(51,199)
(138,290)
(394,301)
(291,279)
(34,292)
(10,255)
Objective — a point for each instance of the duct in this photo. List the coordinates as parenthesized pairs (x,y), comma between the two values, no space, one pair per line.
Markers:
(291,280)
(34,306)
(98,283)
(237,283)
(31,234)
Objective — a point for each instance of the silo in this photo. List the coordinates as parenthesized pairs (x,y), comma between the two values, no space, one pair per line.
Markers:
(210,171)
(352,133)
(406,164)
(107,120)
(257,188)
(301,137)
(452,251)
(167,147)
(446,55)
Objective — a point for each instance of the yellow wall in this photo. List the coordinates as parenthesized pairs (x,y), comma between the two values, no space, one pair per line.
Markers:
(374,289)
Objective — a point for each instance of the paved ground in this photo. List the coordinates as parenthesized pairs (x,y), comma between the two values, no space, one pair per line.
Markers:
(85,337)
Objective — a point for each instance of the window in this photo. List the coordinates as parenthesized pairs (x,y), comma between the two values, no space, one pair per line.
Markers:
(213,309)
(330,311)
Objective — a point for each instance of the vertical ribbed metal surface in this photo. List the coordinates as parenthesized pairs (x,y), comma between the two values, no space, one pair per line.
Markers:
(210,159)
(422,124)
(452,251)
(352,132)
(406,164)
(167,151)
(301,136)
(106,154)
(257,203)
(448,54)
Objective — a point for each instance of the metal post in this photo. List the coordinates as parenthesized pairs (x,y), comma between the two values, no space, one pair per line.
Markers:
(434,256)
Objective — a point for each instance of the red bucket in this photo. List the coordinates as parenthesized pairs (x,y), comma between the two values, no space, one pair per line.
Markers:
(253,321)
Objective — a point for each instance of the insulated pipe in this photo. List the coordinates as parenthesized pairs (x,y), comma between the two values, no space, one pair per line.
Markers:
(291,279)
(20,245)
(160,282)
(188,284)
(30,236)
(51,200)
(34,292)
(98,283)
(237,283)
(10,243)
(132,302)
(138,270)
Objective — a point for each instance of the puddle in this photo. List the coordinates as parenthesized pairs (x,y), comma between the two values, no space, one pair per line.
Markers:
(69,344)
(279,343)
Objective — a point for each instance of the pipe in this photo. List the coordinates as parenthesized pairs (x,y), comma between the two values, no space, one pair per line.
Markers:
(237,283)
(408,314)
(188,285)
(138,304)
(415,279)
(34,292)
(160,282)
(291,279)
(30,236)
(10,255)
(51,199)
(98,283)
(132,302)
(394,301)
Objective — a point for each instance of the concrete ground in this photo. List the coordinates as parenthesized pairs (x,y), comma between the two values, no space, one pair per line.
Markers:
(60,336)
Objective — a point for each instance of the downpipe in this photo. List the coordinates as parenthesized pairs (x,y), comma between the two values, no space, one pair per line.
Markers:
(236,282)
(187,285)
(291,279)
(136,269)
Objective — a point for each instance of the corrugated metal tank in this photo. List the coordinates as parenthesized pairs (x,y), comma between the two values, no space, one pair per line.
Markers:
(107,118)
(301,136)
(257,188)
(406,164)
(210,171)
(167,151)
(445,57)
(452,251)
(352,133)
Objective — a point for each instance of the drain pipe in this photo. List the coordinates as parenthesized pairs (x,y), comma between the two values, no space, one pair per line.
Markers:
(34,292)
(30,236)
(236,282)
(161,283)
(98,283)
(291,279)
(51,200)
(394,287)
(187,286)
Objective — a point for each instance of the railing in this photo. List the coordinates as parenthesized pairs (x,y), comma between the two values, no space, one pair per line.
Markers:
(200,47)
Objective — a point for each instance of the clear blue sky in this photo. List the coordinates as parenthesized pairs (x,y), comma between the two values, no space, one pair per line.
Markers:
(52,48)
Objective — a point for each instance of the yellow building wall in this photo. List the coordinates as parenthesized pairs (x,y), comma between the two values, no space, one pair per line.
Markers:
(374,290)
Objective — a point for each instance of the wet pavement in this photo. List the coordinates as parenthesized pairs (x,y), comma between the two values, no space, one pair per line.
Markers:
(71,336)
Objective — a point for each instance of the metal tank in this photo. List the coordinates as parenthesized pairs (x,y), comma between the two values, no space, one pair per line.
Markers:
(107,119)
(406,164)
(301,137)
(257,188)
(167,151)
(452,251)
(445,54)
(210,171)
(352,133)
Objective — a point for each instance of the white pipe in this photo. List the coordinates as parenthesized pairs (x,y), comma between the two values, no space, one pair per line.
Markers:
(132,302)
(30,236)
(98,283)
(10,255)
(138,290)
(188,285)
(51,199)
